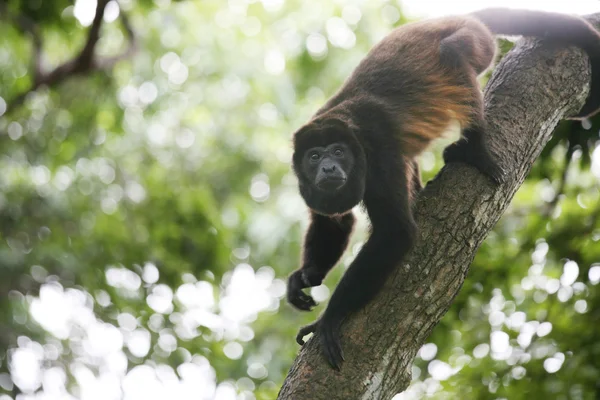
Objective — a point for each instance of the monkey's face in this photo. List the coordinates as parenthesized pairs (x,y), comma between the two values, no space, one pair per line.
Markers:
(330,165)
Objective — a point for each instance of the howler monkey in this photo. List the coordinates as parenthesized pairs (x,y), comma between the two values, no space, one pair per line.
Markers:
(361,145)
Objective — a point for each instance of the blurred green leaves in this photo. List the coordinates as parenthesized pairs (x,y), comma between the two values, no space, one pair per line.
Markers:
(149,216)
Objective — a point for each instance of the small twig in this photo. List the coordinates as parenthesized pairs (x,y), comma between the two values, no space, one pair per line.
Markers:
(108,62)
(563,179)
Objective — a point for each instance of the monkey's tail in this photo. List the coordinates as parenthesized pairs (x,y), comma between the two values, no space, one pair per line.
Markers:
(555,27)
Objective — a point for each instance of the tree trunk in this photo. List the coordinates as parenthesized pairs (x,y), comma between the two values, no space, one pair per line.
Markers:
(534,86)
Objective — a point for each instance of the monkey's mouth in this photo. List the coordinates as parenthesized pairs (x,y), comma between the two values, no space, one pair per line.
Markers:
(331,184)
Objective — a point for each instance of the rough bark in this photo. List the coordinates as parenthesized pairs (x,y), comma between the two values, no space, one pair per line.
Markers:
(534,86)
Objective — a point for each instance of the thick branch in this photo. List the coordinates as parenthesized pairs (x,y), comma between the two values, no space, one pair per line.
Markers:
(86,56)
(532,89)
(84,62)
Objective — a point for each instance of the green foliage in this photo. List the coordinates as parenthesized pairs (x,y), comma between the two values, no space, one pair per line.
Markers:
(149,216)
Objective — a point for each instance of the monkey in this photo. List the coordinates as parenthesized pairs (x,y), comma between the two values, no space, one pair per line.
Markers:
(361,146)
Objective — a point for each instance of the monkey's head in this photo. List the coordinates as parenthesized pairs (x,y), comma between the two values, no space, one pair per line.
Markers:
(331,166)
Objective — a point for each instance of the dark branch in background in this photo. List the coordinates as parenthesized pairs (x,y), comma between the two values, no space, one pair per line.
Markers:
(85,58)
(563,179)
(85,62)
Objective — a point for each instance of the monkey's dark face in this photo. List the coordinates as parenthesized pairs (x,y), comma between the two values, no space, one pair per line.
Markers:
(331,167)
(328,167)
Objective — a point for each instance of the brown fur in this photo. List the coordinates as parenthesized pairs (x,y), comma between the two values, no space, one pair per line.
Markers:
(401,97)
(426,92)
(435,64)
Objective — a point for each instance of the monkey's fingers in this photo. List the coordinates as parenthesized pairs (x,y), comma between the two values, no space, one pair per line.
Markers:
(308,300)
(332,347)
(302,301)
(305,330)
(296,296)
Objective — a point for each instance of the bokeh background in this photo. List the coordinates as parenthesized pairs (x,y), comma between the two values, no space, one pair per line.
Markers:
(149,215)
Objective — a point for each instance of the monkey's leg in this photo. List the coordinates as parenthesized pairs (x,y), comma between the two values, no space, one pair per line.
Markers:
(472,148)
(417,186)
(393,234)
(470,48)
(325,241)
(469,51)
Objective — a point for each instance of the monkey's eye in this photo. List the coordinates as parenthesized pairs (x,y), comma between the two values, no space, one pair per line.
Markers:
(338,152)
(314,156)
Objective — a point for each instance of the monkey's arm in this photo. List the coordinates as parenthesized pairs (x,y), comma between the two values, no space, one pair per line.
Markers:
(325,241)
(394,232)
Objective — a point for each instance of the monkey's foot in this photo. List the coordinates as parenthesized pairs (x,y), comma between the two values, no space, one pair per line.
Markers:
(329,339)
(472,153)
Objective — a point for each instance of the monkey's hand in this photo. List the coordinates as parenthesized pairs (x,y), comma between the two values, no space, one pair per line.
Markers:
(302,279)
(328,331)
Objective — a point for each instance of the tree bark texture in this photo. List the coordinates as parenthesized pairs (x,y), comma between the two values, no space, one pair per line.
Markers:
(533,87)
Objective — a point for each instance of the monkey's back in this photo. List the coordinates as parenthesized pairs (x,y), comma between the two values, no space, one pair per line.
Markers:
(424,78)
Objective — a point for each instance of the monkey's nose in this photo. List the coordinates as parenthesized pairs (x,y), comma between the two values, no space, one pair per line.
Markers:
(329,169)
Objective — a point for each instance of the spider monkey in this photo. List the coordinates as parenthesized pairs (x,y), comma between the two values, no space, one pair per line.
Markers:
(361,145)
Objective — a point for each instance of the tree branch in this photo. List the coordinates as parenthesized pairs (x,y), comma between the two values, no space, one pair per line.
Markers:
(86,56)
(534,87)
(84,62)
